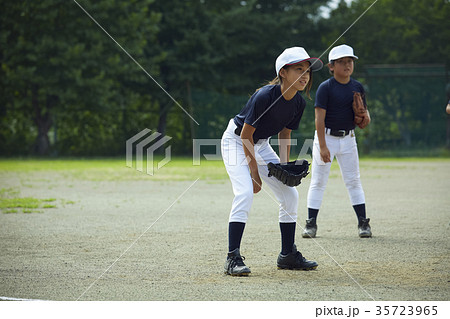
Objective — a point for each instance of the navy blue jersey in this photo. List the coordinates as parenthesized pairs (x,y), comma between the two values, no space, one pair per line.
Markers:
(269,112)
(337,99)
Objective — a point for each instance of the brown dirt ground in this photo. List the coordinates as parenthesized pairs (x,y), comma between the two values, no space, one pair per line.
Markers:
(119,229)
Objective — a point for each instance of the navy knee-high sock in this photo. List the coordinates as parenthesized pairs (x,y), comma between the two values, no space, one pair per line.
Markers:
(287,237)
(360,210)
(312,213)
(235,232)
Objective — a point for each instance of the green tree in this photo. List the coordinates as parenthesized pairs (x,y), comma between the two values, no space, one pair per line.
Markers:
(57,65)
(247,39)
(392,35)
(243,42)
(183,37)
(394,31)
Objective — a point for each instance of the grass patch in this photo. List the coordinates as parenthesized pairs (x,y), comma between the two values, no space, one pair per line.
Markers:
(48,206)
(178,169)
(404,153)
(10,204)
(49,200)
(25,202)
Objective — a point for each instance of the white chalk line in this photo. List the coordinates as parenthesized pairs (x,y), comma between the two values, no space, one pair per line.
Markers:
(19,299)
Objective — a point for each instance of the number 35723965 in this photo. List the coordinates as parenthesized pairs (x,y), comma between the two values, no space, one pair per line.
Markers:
(406,310)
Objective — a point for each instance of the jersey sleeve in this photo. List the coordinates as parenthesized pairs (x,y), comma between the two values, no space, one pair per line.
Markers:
(322,96)
(257,105)
(363,92)
(293,125)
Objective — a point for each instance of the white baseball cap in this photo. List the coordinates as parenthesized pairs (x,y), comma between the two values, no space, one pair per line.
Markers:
(341,51)
(296,55)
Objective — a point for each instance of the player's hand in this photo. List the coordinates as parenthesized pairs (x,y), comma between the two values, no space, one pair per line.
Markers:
(257,183)
(325,154)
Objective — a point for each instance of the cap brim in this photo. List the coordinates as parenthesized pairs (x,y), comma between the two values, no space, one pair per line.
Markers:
(315,63)
(344,56)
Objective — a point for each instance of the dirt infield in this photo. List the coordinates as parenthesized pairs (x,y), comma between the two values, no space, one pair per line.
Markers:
(158,240)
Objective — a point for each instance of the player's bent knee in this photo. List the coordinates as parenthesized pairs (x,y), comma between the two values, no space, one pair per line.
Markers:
(318,184)
(289,197)
(245,195)
(353,184)
(288,205)
(291,194)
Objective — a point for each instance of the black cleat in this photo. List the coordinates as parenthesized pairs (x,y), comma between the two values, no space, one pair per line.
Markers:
(295,260)
(310,228)
(234,264)
(364,227)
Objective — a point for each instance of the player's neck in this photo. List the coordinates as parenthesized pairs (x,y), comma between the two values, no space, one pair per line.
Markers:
(342,79)
(288,93)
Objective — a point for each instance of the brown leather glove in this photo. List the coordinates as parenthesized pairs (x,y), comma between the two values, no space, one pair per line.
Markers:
(362,116)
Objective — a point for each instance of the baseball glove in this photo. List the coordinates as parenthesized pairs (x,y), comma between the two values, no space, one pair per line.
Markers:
(290,173)
(362,117)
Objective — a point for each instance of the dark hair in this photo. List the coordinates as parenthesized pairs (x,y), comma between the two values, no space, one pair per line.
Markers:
(277,81)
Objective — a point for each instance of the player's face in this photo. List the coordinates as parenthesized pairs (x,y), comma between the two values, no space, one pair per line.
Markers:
(298,75)
(343,67)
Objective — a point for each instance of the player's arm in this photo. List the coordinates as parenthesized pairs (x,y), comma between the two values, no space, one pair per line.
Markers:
(284,138)
(249,151)
(320,128)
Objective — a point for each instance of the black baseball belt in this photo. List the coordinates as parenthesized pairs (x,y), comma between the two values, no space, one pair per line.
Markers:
(338,133)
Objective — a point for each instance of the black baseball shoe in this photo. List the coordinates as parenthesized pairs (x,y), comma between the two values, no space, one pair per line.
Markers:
(234,265)
(295,260)
(364,227)
(310,228)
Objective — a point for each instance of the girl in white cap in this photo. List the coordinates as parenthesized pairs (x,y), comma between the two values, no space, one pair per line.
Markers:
(335,137)
(273,109)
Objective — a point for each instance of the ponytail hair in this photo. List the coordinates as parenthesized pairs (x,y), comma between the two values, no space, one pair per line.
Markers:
(275,81)
(278,80)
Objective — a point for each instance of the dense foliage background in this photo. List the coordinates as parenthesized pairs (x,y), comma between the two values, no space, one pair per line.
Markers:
(68,89)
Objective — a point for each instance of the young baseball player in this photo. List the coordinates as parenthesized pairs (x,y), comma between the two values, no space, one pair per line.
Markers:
(273,109)
(335,137)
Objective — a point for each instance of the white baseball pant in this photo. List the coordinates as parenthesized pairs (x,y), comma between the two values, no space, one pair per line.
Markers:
(238,170)
(346,153)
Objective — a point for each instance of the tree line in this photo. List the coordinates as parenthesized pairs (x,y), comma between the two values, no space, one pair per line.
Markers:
(67,87)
